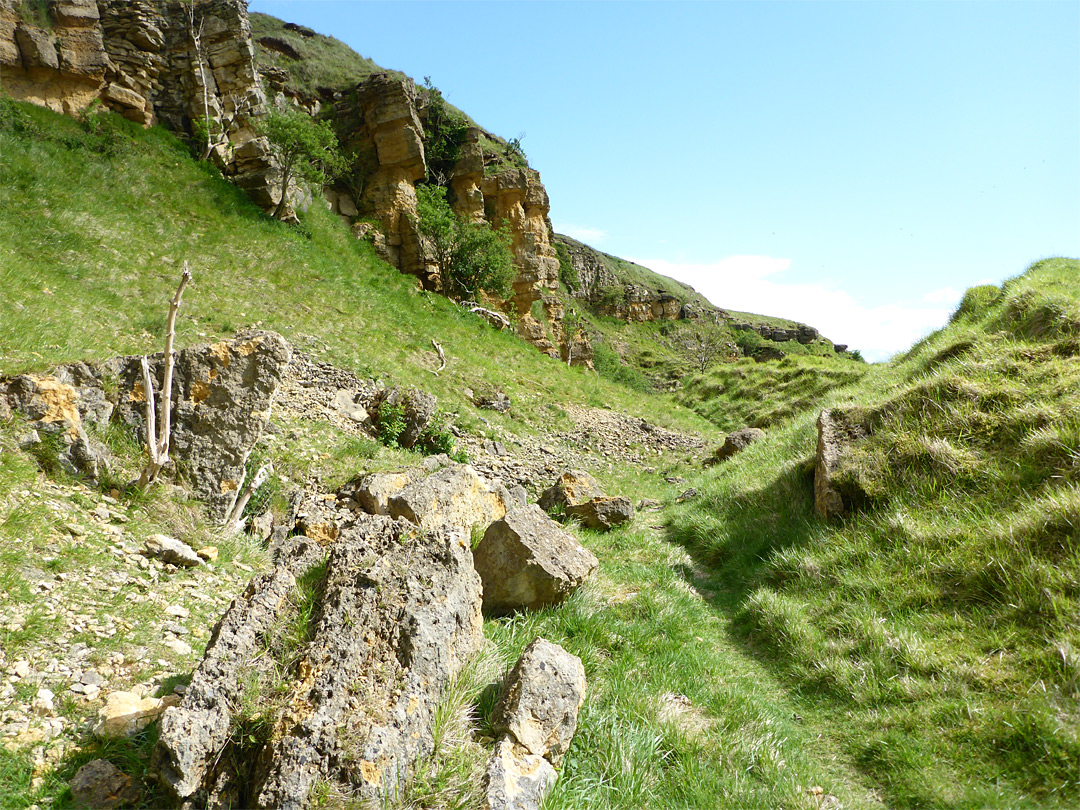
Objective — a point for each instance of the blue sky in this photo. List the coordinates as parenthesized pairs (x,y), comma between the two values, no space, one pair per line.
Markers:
(854,166)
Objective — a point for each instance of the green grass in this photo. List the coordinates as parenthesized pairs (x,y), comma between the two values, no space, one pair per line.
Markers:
(938,624)
(324,61)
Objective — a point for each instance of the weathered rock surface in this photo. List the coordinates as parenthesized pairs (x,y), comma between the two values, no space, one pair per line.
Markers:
(573,487)
(526,561)
(603,513)
(125,714)
(222,396)
(536,717)
(515,779)
(194,733)
(139,59)
(100,785)
(455,495)
(53,408)
(738,441)
(398,614)
(416,407)
(838,430)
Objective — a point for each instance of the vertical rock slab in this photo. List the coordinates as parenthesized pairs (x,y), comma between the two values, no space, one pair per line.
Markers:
(838,430)
(194,733)
(222,396)
(536,717)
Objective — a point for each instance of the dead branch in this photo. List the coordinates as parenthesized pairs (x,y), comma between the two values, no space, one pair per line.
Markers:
(235,521)
(442,357)
(489,315)
(157,443)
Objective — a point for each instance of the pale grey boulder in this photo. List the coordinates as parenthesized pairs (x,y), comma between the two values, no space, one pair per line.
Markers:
(536,718)
(454,495)
(573,487)
(526,561)
(172,551)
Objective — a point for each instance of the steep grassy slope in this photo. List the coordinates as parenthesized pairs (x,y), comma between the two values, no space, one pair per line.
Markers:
(937,626)
(312,60)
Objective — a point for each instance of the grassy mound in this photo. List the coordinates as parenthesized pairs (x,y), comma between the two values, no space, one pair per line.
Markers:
(939,625)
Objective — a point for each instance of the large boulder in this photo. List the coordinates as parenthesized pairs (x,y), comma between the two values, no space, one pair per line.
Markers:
(527,561)
(572,488)
(738,441)
(536,718)
(838,431)
(454,495)
(52,407)
(221,400)
(603,513)
(398,614)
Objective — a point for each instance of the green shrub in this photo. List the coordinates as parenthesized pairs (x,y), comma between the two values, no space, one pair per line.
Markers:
(444,133)
(568,274)
(473,257)
(390,423)
(608,365)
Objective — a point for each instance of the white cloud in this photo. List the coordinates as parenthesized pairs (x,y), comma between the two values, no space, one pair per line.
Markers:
(583,233)
(946,296)
(748,284)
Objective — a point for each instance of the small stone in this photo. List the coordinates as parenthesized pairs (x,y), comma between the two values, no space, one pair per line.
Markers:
(179,647)
(100,784)
(21,668)
(125,714)
(170,551)
(176,628)
(178,611)
(92,678)
(208,553)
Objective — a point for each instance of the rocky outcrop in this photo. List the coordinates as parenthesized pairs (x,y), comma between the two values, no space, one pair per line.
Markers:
(411,409)
(526,562)
(222,395)
(454,495)
(398,613)
(536,718)
(140,58)
(780,334)
(838,430)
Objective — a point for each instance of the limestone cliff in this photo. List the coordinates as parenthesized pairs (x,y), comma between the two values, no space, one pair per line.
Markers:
(151,61)
(381,122)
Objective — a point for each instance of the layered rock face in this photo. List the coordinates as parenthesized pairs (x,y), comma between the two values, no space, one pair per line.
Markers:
(382,123)
(609,295)
(150,61)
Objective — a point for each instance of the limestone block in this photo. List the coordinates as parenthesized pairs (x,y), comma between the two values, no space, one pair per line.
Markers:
(603,513)
(452,496)
(526,561)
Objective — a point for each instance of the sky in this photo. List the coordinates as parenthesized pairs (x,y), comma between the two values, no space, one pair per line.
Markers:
(851,165)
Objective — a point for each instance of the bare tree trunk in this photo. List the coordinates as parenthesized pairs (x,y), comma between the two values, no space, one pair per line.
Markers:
(235,521)
(442,357)
(157,442)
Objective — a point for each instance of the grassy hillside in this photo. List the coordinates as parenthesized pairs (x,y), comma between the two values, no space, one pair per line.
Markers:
(921,653)
(937,627)
(319,60)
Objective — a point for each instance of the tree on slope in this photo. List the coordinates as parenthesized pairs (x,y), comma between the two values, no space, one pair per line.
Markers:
(472,256)
(305,149)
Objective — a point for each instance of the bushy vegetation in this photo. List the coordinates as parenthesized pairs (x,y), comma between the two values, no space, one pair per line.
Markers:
(444,134)
(473,257)
(939,622)
(305,149)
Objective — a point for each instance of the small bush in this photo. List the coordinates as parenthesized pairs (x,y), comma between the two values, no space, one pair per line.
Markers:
(390,424)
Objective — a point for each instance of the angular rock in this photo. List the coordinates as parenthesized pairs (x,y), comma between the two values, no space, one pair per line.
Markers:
(496,401)
(541,699)
(838,430)
(398,615)
(737,441)
(453,496)
(222,396)
(196,731)
(125,714)
(373,491)
(416,408)
(573,487)
(603,513)
(526,561)
(515,779)
(170,550)
(100,785)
